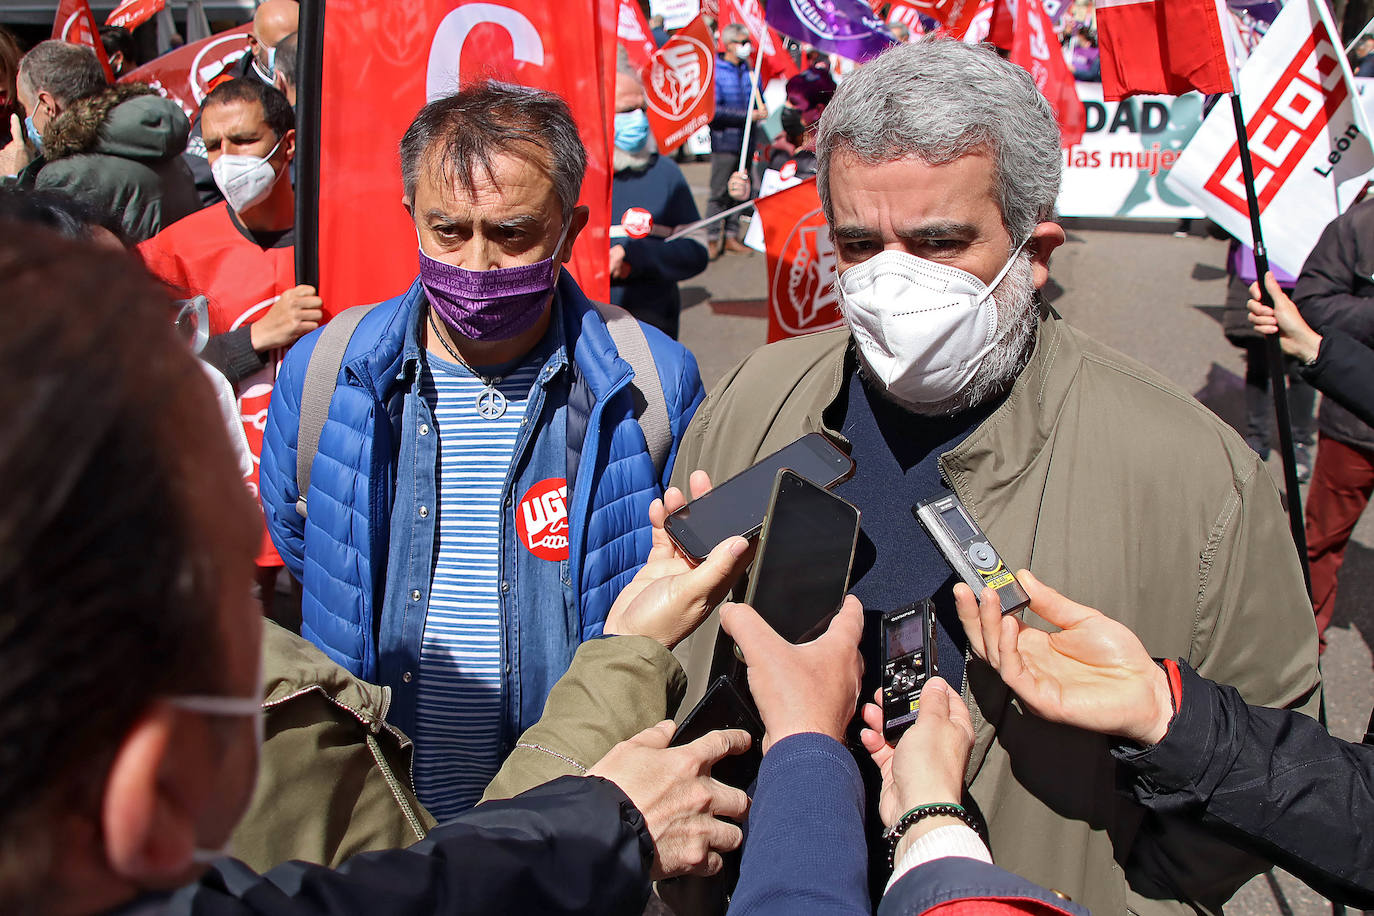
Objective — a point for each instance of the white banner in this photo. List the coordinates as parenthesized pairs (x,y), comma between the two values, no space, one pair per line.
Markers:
(675,13)
(1128,149)
(1309,140)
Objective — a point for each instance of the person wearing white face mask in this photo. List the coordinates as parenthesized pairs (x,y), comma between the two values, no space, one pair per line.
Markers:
(736,104)
(939,166)
(241,256)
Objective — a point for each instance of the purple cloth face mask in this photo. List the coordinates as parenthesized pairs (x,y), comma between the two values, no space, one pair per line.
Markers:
(495,304)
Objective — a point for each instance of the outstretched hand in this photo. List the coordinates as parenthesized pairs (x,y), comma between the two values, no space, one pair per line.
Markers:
(670,596)
(1093,674)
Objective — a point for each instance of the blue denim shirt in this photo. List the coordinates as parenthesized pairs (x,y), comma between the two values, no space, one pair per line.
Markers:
(540,625)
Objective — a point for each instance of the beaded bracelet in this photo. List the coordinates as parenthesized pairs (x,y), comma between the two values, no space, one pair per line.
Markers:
(894,834)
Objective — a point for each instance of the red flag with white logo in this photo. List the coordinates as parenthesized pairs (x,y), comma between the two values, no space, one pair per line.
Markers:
(74,23)
(383,60)
(133,13)
(1150,46)
(187,74)
(633,32)
(680,86)
(1035,49)
(749,13)
(1308,137)
(801,263)
(909,14)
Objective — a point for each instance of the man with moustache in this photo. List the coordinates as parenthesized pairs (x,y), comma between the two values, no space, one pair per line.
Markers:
(939,165)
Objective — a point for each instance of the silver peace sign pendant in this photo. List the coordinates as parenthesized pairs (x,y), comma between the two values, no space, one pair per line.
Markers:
(491,404)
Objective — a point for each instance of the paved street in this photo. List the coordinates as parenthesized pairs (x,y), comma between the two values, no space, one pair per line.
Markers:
(1157,298)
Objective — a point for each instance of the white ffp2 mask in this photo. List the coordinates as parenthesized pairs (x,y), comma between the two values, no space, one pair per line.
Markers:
(921,328)
(245,180)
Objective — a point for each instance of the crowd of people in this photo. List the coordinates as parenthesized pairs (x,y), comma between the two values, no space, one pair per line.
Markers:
(429,658)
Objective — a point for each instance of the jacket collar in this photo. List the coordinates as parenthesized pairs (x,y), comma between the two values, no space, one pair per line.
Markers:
(1017,430)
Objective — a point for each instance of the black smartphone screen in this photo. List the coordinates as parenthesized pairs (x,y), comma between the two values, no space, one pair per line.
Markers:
(802,568)
(737,506)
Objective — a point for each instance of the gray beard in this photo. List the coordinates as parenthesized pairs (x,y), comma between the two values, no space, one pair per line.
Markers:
(622,161)
(1018,315)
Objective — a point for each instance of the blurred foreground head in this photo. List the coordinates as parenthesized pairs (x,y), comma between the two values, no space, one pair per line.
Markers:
(126,544)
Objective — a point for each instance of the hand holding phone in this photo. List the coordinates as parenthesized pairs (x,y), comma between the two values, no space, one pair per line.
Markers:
(738,506)
(797,689)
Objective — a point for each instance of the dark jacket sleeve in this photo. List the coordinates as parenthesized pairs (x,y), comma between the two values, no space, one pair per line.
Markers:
(1271,780)
(1344,372)
(232,353)
(942,884)
(575,845)
(680,259)
(1329,289)
(806,847)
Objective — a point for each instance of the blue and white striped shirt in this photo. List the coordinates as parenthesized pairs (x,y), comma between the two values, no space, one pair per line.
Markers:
(459,700)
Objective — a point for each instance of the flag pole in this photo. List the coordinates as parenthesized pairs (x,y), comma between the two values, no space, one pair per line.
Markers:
(749,118)
(309,74)
(1278,379)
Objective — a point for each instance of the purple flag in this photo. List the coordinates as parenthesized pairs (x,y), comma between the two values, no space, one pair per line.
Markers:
(844,27)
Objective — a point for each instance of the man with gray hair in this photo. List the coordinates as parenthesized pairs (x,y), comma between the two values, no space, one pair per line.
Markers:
(939,165)
(481,488)
(116,148)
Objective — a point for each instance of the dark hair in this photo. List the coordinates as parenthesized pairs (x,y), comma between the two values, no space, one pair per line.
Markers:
(68,216)
(285,61)
(10,55)
(122,509)
(70,72)
(488,118)
(276,110)
(117,38)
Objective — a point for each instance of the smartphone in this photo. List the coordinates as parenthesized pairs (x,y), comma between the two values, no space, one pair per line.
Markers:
(909,660)
(801,569)
(725,706)
(737,506)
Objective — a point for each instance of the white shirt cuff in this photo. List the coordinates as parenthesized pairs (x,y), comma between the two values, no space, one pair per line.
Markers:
(953,840)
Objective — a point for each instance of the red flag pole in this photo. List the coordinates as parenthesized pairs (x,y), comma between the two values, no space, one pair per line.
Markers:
(309,77)
(1277,378)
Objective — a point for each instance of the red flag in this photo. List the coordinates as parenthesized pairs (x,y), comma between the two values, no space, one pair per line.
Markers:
(133,13)
(801,263)
(187,74)
(1033,47)
(680,86)
(1002,28)
(74,23)
(383,60)
(634,34)
(1150,46)
(749,13)
(953,15)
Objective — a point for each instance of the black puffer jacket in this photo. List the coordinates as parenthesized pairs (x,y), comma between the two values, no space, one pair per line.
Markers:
(120,150)
(1336,290)
(1271,781)
(575,845)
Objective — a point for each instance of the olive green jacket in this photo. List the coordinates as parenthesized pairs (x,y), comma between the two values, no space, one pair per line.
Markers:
(334,779)
(1124,493)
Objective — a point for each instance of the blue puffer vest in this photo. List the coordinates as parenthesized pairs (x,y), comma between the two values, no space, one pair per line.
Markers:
(340,552)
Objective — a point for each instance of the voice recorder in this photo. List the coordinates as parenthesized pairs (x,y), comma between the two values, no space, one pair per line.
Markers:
(908,662)
(968,550)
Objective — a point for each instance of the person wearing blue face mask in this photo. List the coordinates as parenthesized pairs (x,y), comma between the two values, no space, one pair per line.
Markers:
(649,199)
(482,480)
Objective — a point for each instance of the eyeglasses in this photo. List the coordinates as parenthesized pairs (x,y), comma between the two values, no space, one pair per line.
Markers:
(193,322)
